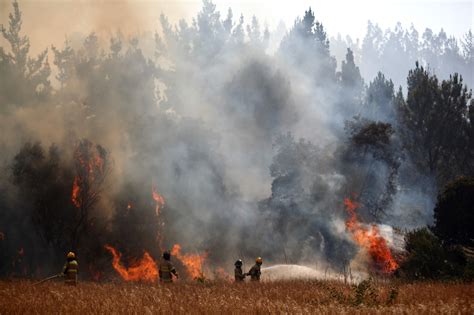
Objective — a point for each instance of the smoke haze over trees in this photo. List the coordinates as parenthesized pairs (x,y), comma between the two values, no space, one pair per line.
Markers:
(253,150)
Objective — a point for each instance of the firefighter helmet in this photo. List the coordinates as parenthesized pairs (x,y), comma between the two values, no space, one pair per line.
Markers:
(238,263)
(167,255)
(259,260)
(71,255)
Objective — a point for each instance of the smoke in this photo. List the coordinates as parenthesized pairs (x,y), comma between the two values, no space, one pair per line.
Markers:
(247,147)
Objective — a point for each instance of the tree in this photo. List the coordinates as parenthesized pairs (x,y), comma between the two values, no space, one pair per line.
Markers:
(379,99)
(426,121)
(371,50)
(91,164)
(27,77)
(454,213)
(65,62)
(428,259)
(307,47)
(41,180)
(351,85)
(374,160)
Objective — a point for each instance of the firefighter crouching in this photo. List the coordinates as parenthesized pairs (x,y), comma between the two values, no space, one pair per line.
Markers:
(255,272)
(70,269)
(238,273)
(166,269)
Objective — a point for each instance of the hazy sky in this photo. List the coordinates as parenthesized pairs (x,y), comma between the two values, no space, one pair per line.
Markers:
(48,21)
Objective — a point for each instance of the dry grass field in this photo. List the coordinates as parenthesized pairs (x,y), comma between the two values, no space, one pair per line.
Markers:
(294,297)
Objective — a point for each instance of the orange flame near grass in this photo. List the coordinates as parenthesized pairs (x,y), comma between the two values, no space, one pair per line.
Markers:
(141,270)
(192,262)
(370,239)
(160,201)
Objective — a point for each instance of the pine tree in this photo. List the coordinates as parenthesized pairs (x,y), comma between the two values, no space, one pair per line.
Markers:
(28,77)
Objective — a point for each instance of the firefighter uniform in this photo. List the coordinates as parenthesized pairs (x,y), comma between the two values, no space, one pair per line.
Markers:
(70,269)
(238,273)
(255,272)
(166,269)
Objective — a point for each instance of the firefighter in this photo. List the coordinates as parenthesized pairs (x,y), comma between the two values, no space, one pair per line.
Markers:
(255,272)
(238,273)
(70,269)
(166,268)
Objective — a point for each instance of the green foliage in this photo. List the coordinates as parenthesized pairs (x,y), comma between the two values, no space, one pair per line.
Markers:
(454,213)
(427,258)
(426,121)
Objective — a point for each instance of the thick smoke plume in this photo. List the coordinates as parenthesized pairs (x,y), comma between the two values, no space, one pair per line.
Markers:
(252,152)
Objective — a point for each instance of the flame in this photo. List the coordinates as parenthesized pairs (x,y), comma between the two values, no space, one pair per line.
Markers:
(144,269)
(2,236)
(91,166)
(76,189)
(370,239)
(192,262)
(129,206)
(160,201)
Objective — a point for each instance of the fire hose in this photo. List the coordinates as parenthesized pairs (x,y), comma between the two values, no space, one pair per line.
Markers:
(59,275)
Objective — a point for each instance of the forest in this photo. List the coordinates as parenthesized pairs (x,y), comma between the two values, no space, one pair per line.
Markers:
(222,147)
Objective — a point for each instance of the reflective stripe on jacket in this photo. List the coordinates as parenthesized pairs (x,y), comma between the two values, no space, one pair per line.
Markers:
(165,270)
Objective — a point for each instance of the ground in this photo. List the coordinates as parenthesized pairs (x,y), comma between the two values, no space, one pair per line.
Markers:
(295,297)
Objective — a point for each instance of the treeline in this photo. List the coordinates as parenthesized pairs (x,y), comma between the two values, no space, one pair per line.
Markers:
(395,51)
(252,152)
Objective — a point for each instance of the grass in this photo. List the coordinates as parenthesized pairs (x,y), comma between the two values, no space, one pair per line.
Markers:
(295,297)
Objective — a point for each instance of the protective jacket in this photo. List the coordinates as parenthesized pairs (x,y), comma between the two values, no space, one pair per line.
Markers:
(239,274)
(166,269)
(71,267)
(255,273)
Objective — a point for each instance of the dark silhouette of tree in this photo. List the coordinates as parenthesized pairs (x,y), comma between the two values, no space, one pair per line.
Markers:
(426,122)
(454,213)
(307,47)
(379,99)
(293,209)
(351,86)
(91,167)
(374,159)
(28,78)
(428,259)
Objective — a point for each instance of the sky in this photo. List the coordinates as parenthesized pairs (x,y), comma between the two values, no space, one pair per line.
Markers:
(49,21)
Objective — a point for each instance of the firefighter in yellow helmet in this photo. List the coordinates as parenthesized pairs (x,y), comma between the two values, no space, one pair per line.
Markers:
(255,272)
(70,269)
(166,269)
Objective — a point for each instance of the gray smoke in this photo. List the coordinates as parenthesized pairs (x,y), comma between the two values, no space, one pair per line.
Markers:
(247,146)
